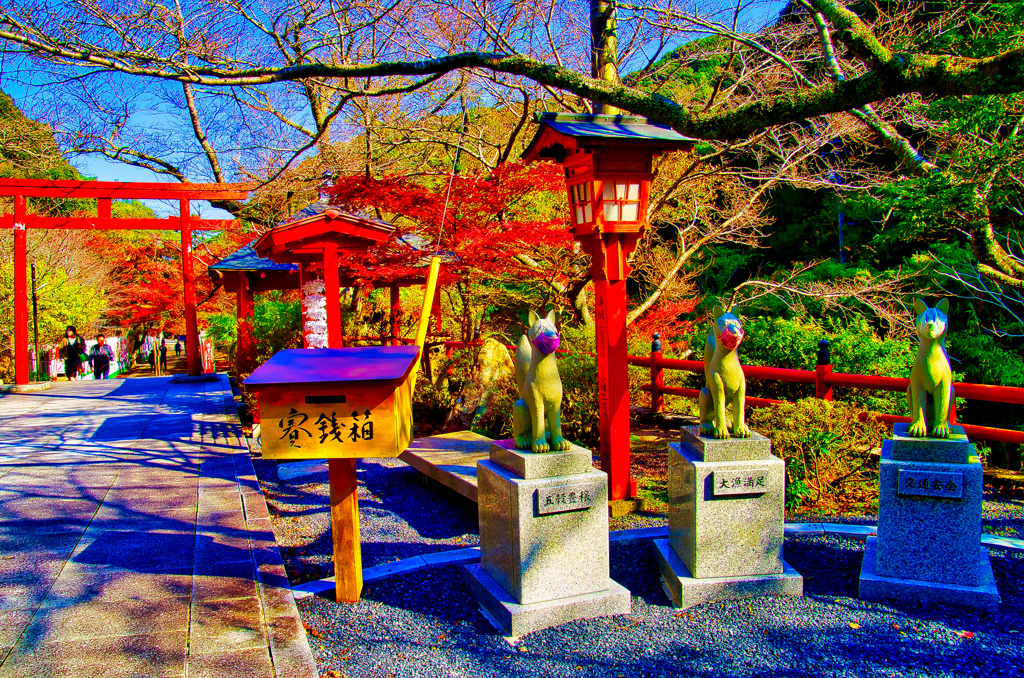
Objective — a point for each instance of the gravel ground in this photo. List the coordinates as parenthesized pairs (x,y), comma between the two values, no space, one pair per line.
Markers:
(427,623)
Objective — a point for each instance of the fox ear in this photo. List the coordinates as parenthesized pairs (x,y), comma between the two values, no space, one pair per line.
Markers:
(943,306)
(550,317)
(533,318)
(735,310)
(717,311)
(919,307)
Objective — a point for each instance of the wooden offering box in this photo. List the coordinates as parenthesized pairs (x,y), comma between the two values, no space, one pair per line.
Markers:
(336,403)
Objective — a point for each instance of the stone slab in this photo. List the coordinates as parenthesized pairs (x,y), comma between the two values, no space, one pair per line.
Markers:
(513,619)
(956,449)
(31,387)
(446,558)
(730,535)
(855,532)
(875,587)
(725,449)
(685,591)
(1002,543)
(537,557)
(804,529)
(929,538)
(532,465)
(405,566)
(449,459)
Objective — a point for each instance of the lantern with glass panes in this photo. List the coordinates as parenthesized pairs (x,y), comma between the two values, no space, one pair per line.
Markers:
(608,166)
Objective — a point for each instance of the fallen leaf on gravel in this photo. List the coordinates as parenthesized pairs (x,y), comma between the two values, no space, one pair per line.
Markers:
(854,625)
(966,634)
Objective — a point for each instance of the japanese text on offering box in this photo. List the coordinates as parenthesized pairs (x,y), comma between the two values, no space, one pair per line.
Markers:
(740,481)
(565,498)
(931,484)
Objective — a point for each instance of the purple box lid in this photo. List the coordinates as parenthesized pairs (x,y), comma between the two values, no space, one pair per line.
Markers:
(294,366)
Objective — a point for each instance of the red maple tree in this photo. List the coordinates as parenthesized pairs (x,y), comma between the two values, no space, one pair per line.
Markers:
(478,223)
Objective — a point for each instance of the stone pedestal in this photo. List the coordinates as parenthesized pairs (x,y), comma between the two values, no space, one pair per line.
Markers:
(929,525)
(543,540)
(726,521)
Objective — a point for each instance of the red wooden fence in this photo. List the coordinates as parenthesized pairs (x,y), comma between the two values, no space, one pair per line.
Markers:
(824,379)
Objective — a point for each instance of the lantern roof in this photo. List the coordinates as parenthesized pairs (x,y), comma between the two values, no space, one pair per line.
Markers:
(560,133)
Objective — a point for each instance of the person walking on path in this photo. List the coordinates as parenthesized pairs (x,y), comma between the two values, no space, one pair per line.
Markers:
(163,355)
(72,350)
(100,356)
(177,348)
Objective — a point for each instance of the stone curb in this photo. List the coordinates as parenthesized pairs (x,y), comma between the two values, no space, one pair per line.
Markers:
(472,554)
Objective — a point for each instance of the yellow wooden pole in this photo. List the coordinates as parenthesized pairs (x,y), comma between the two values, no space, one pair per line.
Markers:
(428,302)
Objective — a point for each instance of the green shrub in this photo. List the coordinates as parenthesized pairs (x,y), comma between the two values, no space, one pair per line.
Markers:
(830,455)
(793,344)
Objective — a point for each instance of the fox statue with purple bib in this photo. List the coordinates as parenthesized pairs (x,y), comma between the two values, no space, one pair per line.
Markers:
(930,393)
(537,415)
(722,400)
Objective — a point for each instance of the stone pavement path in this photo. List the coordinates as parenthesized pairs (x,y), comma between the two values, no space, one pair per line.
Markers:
(134,540)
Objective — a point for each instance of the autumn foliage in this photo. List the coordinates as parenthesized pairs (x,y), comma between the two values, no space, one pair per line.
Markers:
(489,219)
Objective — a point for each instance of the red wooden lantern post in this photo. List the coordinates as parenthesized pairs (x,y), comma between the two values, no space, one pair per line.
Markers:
(608,172)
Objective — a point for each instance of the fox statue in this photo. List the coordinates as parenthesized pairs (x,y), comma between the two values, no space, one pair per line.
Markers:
(931,378)
(537,415)
(723,399)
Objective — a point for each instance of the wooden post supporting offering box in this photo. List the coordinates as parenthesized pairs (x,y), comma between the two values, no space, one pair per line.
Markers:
(339,404)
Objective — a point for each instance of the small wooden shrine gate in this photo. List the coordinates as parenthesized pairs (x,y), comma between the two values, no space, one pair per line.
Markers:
(104,192)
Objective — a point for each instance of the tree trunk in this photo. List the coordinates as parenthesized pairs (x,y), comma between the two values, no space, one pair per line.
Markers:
(604,56)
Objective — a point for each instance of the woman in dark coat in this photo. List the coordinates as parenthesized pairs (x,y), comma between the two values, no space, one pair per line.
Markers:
(72,348)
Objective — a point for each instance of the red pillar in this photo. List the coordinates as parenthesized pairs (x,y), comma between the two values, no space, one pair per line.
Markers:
(244,311)
(303,279)
(396,312)
(195,363)
(332,294)
(613,385)
(609,267)
(657,376)
(20,293)
(436,309)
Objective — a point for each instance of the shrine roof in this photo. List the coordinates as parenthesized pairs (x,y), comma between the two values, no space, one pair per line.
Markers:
(617,130)
(320,206)
(246,259)
(298,366)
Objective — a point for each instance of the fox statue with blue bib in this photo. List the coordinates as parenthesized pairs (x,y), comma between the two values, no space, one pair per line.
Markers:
(930,393)
(537,415)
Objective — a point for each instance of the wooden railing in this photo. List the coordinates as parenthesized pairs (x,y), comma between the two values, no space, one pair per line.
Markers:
(824,379)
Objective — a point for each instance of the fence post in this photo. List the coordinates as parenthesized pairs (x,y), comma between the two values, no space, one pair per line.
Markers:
(822,389)
(657,376)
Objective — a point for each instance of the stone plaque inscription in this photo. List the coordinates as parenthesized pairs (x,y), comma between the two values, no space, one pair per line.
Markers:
(560,498)
(745,481)
(932,483)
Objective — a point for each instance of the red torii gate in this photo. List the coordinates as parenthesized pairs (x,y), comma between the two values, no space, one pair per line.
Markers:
(104,192)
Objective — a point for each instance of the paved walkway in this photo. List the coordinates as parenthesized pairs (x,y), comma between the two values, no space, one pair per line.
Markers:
(134,540)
